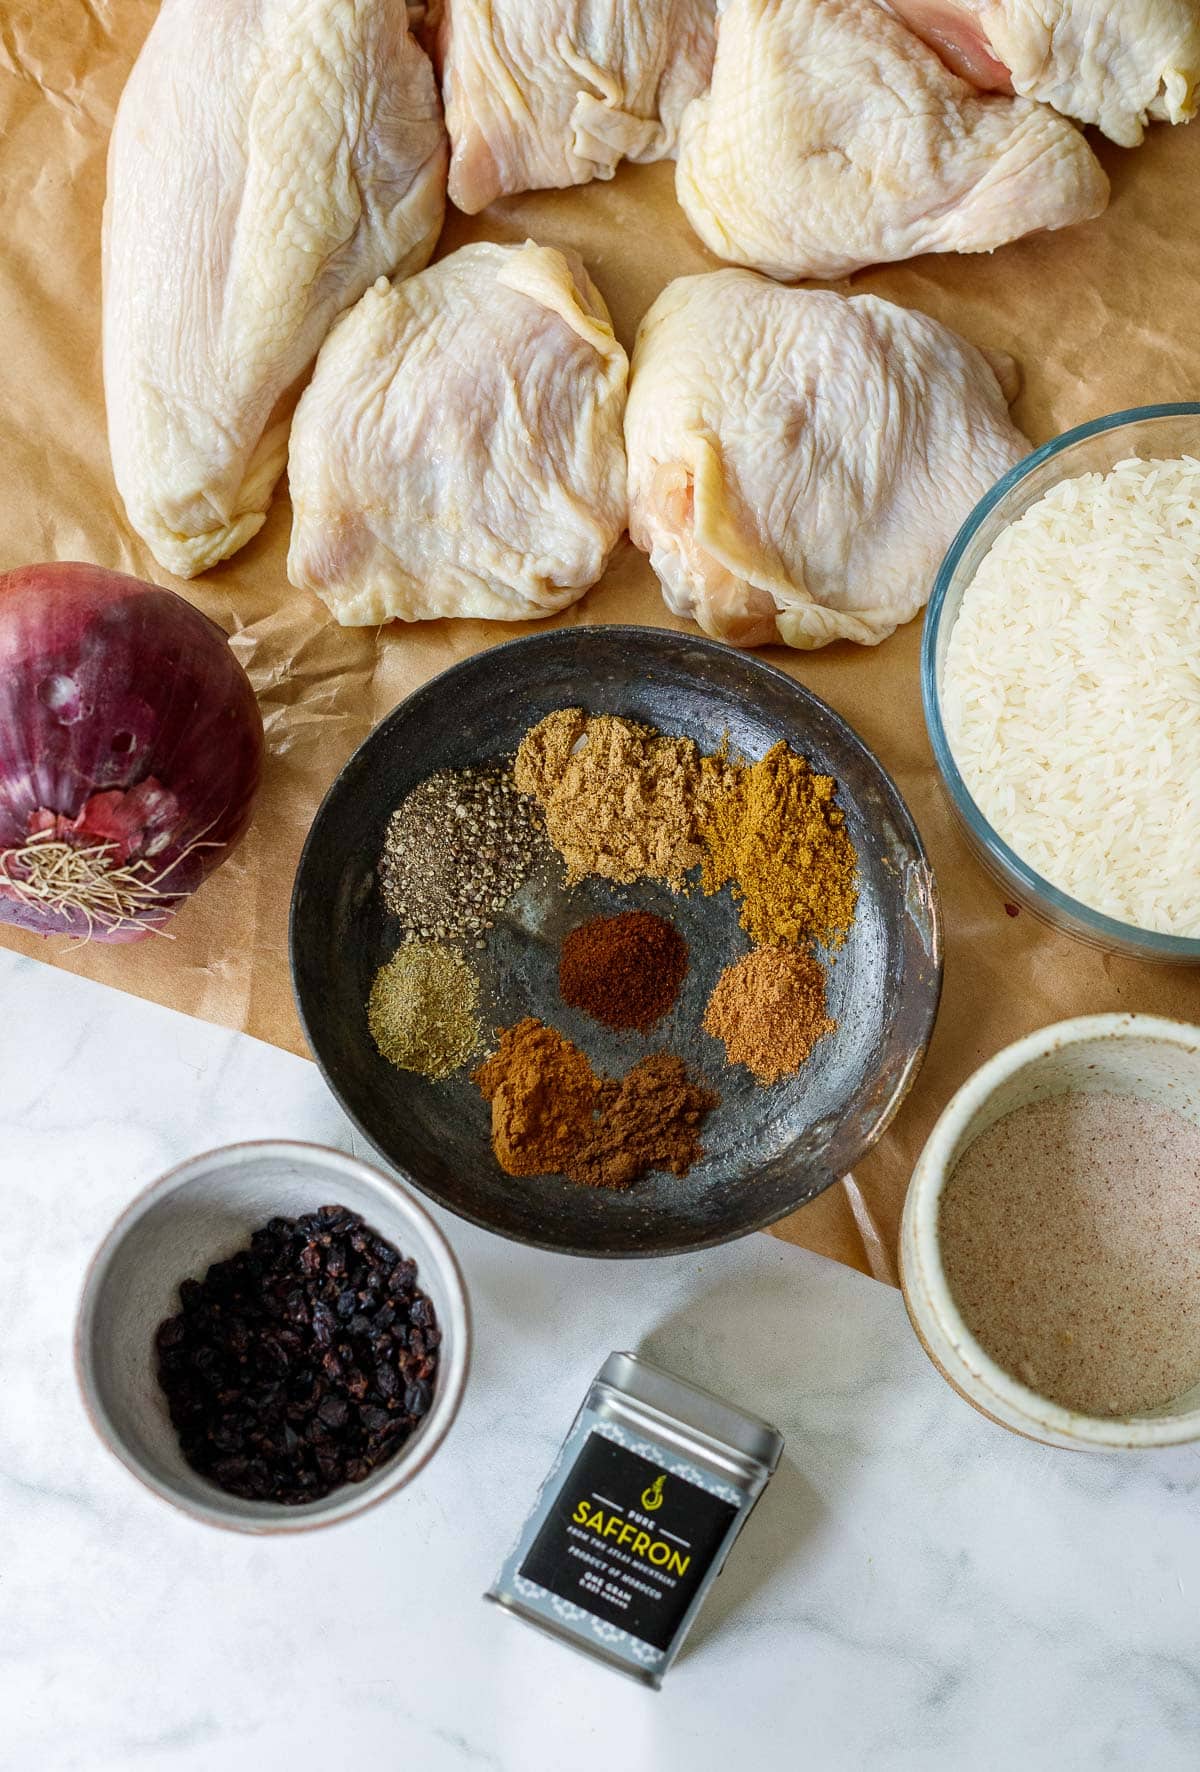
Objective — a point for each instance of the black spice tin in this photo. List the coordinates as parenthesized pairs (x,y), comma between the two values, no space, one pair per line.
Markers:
(653,1483)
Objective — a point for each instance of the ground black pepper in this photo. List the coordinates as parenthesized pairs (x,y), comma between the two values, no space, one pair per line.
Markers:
(624,971)
(457,849)
(302,1362)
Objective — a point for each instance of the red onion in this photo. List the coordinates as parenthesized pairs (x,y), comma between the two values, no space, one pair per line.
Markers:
(130,751)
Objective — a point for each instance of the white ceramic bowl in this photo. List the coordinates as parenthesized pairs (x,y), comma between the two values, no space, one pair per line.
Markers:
(203,1212)
(1140,1055)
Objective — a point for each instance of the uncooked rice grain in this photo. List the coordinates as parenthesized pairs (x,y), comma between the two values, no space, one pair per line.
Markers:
(1071,691)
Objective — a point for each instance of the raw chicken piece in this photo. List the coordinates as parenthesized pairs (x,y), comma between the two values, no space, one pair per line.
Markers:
(799,462)
(952,28)
(550,93)
(270,159)
(1115,65)
(832,138)
(458,451)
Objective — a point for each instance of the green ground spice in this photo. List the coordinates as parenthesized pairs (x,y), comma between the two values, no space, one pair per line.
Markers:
(422,1010)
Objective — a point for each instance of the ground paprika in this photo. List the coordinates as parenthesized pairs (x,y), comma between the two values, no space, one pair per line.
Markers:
(624,971)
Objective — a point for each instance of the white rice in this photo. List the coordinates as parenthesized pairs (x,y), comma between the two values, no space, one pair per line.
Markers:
(1071,691)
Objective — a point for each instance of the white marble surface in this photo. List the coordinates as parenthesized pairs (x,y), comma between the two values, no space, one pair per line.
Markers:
(917,1590)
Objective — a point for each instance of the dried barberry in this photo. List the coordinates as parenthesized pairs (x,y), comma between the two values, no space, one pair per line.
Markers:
(301,1362)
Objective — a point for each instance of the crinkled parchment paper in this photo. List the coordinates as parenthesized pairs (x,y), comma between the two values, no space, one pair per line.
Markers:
(1099,317)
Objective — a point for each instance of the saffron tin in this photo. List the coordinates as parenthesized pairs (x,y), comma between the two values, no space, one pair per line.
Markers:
(631,1527)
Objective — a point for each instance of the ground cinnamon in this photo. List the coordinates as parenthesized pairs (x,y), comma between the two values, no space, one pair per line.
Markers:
(544,1097)
(552,1115)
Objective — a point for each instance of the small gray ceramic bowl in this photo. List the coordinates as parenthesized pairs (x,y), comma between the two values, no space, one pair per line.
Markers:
(203,1212)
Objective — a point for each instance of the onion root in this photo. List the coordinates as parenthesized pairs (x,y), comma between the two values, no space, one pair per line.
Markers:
(69,881)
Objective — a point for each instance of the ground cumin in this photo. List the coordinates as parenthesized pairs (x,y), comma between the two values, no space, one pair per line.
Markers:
(769,1010)
(619,799)
(552,1115)
(775,834)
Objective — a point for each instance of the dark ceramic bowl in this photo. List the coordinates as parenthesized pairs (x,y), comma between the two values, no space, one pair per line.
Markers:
(767,1150)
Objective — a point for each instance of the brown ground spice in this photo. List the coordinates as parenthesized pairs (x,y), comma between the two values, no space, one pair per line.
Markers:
(544,1097)
(552,1115)
(769,1010)
(775,833)
(619,799)
(651,1119)
(624,971)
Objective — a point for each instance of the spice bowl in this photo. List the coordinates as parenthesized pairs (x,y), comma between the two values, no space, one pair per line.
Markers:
(766,1150)
(203,1212)
(1151,1059)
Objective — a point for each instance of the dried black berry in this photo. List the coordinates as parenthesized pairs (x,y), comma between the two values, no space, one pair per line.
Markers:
(300,1363)
(417,1398)
(334,1412)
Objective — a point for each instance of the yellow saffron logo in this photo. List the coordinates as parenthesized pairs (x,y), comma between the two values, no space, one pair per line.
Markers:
(626,1536)
(653,1496)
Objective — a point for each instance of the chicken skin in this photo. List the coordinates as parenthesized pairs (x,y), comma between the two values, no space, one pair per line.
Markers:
(799,462)
(268,162)
(550,93)
(458,450)
(1119,65)
(832,138)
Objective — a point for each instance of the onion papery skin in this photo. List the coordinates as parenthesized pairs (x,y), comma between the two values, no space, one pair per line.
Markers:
(127,729)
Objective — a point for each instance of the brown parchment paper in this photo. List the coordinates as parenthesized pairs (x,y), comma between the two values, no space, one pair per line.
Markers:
(1099,317)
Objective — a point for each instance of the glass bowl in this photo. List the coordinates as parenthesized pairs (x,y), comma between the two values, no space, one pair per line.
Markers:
(1146,431)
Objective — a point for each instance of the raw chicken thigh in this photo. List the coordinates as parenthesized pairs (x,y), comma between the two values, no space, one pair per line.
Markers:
(833,138)
(458,451)
(268,162)
(550,93)
(1117,65)
(799,462)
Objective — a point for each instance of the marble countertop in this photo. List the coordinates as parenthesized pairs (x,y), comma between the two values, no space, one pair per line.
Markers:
(918,1589)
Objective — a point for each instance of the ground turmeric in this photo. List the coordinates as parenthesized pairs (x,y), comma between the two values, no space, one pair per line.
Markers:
(775,834)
